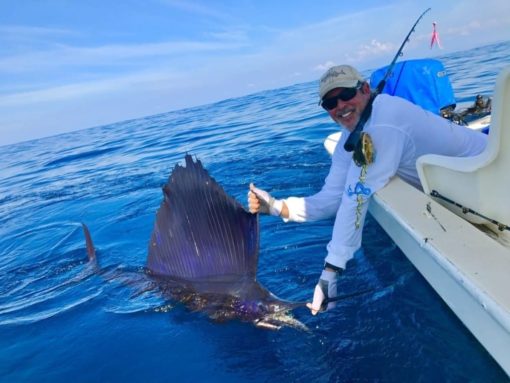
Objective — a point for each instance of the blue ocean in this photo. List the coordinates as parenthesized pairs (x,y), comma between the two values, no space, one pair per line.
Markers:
(61,320)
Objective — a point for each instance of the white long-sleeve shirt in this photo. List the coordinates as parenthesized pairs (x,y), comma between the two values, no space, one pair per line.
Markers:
(401,132)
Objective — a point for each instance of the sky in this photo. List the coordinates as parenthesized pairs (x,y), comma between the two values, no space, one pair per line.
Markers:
(68,64)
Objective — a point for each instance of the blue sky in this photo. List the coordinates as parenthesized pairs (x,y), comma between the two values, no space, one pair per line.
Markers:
(67,65)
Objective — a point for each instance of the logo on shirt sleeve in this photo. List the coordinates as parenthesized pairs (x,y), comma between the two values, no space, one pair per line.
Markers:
(359,190)
(362,194)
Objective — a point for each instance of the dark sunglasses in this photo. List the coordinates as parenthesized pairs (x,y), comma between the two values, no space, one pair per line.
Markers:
(347,94)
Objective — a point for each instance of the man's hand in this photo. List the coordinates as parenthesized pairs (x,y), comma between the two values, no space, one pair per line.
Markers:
(260,201)
(325,289)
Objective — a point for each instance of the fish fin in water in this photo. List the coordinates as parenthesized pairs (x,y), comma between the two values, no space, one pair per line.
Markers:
(201,232)
(91,250)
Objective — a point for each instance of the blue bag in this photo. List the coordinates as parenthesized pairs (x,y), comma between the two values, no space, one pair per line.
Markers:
(423,82)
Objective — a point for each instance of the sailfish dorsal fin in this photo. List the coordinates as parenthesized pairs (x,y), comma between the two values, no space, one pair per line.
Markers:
(200,232)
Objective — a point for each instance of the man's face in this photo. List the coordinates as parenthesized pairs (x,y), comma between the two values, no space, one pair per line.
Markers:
(346,113)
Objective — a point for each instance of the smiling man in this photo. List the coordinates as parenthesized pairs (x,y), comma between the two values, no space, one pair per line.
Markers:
(395,134)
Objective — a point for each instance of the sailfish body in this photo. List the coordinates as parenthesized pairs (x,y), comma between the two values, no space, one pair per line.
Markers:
(203,251)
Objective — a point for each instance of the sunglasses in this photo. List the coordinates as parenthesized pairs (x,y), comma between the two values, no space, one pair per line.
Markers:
(347,94)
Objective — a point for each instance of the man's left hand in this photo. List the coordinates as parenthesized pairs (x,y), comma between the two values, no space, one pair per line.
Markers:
(324,290)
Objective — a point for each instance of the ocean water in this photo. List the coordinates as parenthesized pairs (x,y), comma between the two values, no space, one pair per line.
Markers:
(62,320)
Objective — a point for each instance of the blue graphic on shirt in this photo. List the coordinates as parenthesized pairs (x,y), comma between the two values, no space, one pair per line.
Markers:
(359,189)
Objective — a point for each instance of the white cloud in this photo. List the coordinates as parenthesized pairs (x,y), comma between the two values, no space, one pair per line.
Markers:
(25,32)
(373,49)
(107,54)
(324,67)
(197,9)
(144,81)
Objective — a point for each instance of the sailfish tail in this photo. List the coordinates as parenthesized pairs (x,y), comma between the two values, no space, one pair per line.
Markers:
(91,250)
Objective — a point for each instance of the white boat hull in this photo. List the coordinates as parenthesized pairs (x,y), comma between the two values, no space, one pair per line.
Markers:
(467,268)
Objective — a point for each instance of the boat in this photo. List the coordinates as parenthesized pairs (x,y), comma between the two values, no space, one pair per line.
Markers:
(455,231)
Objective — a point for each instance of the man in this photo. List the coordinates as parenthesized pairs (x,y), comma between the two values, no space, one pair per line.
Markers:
(395,134)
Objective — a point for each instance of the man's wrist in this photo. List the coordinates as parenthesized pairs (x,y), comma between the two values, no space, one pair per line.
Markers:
(330,267)
(275,206)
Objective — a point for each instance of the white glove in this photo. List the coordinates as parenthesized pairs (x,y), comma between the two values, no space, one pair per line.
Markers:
(260,201)
(325,289)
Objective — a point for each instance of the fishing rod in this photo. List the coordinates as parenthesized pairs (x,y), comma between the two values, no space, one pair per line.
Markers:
(354,138)
(382,83)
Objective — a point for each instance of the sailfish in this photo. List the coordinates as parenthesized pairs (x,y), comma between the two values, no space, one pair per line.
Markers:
(203,252)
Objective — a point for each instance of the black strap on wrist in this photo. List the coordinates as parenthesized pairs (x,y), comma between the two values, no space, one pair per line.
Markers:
(336,269)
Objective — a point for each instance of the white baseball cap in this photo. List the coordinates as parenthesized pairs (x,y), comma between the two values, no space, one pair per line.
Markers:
(340,76)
